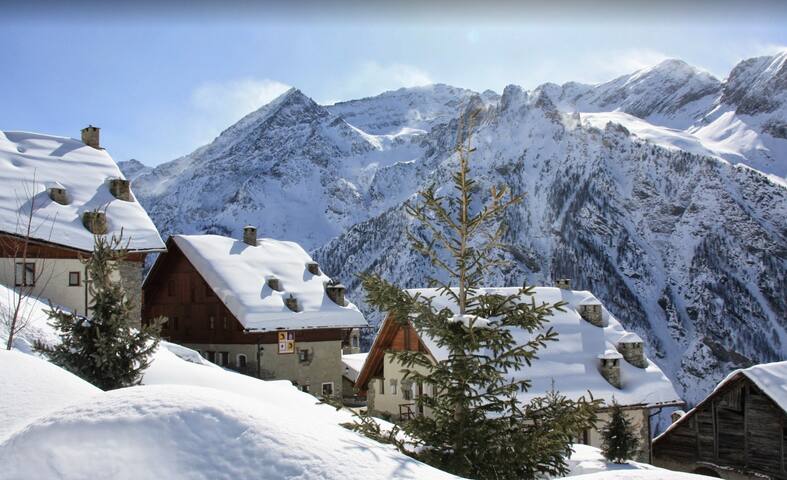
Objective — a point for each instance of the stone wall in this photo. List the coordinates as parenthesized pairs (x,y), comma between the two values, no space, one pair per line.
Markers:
(131,276)
(324,366)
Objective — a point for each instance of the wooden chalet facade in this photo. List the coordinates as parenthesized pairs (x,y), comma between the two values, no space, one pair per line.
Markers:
(738,432)
(192,313)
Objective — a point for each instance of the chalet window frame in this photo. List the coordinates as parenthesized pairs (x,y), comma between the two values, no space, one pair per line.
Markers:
(392,383)
(322,389)
(74,279)
(239,363)
(211,322)
(25,274)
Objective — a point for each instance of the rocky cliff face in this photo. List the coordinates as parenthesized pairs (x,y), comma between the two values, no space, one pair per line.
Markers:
(686,248)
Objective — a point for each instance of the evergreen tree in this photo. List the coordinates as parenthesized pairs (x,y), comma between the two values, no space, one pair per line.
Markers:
(477,427)
(620,441)
(104,349)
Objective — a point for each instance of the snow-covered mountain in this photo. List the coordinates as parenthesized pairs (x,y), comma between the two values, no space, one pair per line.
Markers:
(632,189)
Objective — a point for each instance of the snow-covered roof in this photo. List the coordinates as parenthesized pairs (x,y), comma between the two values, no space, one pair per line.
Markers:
(85,173)
(630,337)
(572,362)
(238,274)
(353,363)
(771,378)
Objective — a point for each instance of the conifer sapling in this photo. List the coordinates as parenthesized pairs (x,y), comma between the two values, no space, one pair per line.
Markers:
(620,441)
(103,349)
(476,425)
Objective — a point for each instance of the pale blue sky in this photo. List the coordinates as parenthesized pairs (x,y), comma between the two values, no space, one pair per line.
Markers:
(161,85)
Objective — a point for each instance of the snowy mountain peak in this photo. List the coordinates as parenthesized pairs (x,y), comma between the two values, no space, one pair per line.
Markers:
(684,247)
(757,85)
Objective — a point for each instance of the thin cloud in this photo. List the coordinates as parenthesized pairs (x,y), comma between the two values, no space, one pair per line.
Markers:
(372,78)
(217,105)
(236,98)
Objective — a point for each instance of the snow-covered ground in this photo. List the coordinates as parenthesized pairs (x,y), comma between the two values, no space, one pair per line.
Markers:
(190,419)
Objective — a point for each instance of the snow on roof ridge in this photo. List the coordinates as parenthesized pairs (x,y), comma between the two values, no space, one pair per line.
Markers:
(238,273)
(771,378)
(630,337)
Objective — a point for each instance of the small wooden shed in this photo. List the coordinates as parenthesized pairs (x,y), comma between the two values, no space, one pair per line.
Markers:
(739,431)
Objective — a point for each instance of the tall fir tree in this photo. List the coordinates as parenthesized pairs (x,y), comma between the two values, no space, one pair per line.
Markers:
(476,427)
(104,349)
(620,441)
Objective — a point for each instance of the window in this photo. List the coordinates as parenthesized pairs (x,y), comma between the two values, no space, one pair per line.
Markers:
(407,391)
(211,322)
(241,361)
(211,356)
(393,386)
(354,341)
(25,275)
(327,389)
(224,323)
(382,386)
(73,279)
(223,358)
(303,355)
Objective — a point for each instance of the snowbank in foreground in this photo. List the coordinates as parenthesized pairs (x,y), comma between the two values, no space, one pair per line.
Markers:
(654,474)
(587,459)
(31,387)
(193,432)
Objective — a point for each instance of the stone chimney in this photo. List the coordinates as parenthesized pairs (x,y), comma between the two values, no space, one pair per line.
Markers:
(274,283)
(563,283)
(590,311)
(335,292)
(291,303)
(57,193)
(313,268)
(354,345)
(95,222)
(609,367)
(120,188)
(250,235)
(90,136)
(632,349)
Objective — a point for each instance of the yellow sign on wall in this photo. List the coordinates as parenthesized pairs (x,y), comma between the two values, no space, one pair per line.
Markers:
(286,342)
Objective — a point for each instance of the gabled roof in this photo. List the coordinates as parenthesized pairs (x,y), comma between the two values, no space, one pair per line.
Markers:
(238,274)
(771,378)
(353,363)
(84,172)
(571,363)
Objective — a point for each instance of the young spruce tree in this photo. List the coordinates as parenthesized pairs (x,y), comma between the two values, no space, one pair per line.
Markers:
(104,349)
(620,442)
(477,426)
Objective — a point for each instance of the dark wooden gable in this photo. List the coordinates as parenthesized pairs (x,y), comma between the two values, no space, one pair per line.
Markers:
(737,426)
(175,289)
(393,336)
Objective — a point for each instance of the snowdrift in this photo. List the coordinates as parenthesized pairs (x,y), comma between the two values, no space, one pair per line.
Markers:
(31,387)
(195,432)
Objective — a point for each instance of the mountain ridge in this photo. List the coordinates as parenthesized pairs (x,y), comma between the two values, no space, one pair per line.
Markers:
(681,239)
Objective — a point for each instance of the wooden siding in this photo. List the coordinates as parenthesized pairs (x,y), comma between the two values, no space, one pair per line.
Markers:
(11,246)
(175,289)
(737,427)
